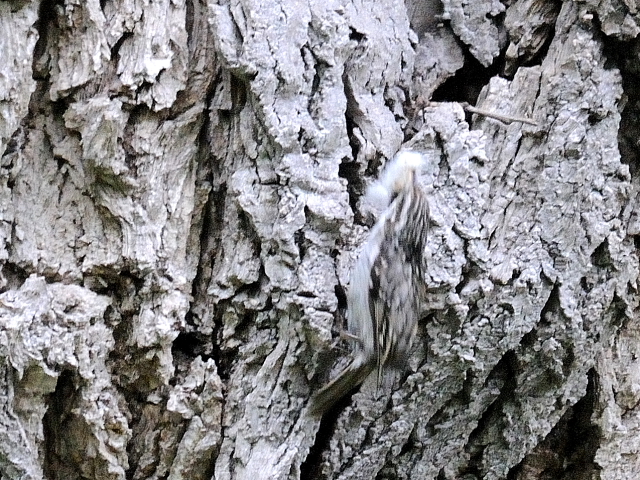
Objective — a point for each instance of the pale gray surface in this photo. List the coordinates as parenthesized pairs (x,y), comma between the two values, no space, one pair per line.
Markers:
(182,196)
(474,23)
(16,51)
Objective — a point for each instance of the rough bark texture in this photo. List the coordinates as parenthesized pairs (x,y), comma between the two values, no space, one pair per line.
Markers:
(180,207)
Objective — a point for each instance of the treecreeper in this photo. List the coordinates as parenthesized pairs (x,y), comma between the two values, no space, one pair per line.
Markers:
(387,286)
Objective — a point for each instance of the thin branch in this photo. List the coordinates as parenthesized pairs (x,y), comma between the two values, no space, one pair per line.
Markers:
(503,118)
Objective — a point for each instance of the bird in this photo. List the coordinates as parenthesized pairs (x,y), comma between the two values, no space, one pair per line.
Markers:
(387,286)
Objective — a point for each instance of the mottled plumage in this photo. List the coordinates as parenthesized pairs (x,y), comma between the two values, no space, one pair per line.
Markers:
(387,284)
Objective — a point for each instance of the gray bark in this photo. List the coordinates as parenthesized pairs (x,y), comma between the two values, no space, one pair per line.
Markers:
(180,208)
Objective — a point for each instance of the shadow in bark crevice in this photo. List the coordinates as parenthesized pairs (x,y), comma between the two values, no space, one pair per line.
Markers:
(61,436)
(466,84)
(492,421)
(623,57)
(46,25)
(569,450)
(311,467)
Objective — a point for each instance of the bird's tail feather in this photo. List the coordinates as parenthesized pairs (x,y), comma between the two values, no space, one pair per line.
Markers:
(349,378)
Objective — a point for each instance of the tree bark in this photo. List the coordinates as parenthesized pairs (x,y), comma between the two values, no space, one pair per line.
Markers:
(181,193)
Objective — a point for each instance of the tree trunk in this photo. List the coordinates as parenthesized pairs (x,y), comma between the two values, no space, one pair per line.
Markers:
(181,205)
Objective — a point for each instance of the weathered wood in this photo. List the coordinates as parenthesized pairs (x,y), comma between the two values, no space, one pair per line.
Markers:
(181,202)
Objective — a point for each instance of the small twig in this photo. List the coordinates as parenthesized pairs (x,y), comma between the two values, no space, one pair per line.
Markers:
(344,335)
(503,118)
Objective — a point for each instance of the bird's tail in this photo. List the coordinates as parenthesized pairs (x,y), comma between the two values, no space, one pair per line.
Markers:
(350,378)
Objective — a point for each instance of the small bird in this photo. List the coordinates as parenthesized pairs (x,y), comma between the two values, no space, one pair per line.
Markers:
(387,286)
